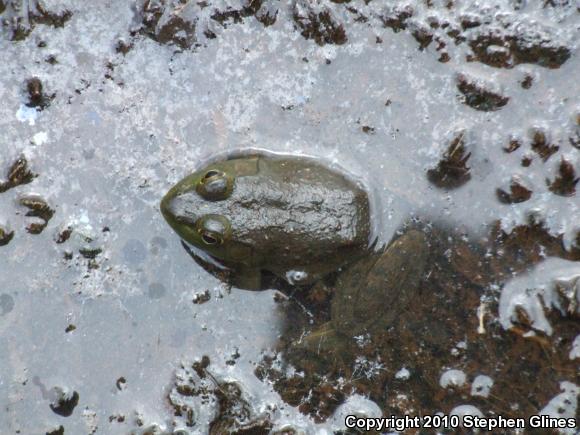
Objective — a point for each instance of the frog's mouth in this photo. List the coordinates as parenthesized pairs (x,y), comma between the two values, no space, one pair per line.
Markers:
(203,258)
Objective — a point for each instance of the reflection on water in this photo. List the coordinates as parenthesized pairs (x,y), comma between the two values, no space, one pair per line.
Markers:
(461,120)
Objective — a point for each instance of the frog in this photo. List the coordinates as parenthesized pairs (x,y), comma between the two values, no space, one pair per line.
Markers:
(402,303)
(301,220)
(287,215)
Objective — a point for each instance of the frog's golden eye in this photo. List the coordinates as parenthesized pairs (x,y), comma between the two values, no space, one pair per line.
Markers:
(211,173)
(215,185)
(213,230)
(209,239)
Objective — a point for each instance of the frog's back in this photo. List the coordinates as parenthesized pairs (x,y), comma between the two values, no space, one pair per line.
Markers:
(300,212)
(301,202)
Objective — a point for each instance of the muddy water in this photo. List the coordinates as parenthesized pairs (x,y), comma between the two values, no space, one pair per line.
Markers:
(463,115)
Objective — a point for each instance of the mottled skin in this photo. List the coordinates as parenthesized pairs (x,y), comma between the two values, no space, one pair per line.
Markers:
(284,213)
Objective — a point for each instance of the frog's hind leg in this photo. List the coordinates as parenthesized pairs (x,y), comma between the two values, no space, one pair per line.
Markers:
(372,295)
(323,349)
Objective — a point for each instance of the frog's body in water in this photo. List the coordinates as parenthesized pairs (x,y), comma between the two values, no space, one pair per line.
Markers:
(272,213)
(300,220)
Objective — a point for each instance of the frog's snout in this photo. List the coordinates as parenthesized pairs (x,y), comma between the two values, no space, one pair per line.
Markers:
(179,208)
(166,206)
(170,207)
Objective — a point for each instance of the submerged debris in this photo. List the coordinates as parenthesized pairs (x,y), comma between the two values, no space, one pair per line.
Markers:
(513,145)
(123,46)
(396,17)
(169,22)
(503,48)
(18,174)
(6,235)
(423,36)
(58,431)
(234,414)
(90,253)
(542,146)
(188,24)
(64,234)
(34,88)
(452,170)
(37,208)
(310,391)
(201,298)
(264,11)
(195,388)
(36,96)
(479,96)
(526,161)
(518,193)
(574,138)
(121,383)
(568,295)
(267,13)
(19,17)
(317,22)
(565,183)
(523,246)
(537,300)
(64,402)
(527,81)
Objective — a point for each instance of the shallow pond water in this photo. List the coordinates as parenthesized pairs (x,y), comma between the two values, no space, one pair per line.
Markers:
(462,114)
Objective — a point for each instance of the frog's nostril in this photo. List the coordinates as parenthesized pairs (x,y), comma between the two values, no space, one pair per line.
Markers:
(181,220)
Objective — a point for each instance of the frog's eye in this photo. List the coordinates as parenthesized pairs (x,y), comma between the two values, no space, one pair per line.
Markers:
(215,185)
(211,173)
(210,239)
(213,230)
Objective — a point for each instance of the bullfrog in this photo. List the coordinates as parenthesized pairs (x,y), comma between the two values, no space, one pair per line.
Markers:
(300,220)
(406,303)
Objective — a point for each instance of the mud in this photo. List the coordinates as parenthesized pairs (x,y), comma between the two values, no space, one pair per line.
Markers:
(18,174)
(458,115)
(19,17)
(526,369)
(452,171)
(478,97)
